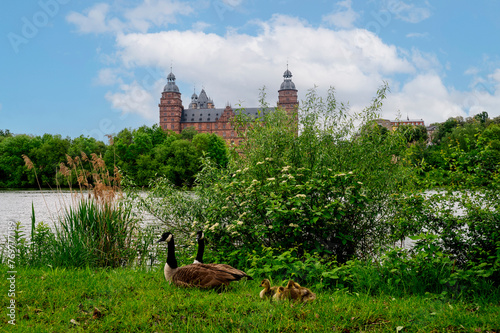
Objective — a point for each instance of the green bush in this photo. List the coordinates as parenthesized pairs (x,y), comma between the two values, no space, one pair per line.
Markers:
(310,181)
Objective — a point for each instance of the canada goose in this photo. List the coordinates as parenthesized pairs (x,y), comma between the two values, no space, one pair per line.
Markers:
(194,275)
(268,291)
(200,237)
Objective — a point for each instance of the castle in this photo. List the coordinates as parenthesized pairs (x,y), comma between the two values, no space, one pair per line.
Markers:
(205,117)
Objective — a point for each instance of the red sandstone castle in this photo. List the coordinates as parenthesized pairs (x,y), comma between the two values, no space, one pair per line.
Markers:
(205,117)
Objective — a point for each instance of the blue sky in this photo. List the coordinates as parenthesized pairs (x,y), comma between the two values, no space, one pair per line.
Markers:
(92,68)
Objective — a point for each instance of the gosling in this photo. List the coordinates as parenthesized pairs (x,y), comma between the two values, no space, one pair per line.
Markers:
(268,291)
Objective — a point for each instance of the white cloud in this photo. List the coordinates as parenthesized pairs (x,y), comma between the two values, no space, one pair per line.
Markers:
(200,26)
(233,67)
(343,17)
(102,18)
(158,13)
(425,61)
(108,76)
(424,97)
(95,20)
(135,98)
(414,12)
(232,3)
(417,35)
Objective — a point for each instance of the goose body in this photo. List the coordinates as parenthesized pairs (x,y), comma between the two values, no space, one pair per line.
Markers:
(194,275)
(200,237)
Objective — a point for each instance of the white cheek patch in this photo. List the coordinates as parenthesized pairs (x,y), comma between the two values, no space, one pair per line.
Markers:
(169,238)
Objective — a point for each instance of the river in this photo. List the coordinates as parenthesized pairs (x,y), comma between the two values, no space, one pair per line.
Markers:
(15,206)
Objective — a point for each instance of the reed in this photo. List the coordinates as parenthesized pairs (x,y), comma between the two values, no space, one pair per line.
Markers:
(96,228)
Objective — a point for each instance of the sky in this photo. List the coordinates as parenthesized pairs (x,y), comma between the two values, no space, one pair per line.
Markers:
(93,68)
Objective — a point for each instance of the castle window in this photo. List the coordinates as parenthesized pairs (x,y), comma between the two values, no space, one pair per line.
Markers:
(192,119)
(223,125)
(173,119)
(232,133)
(172,126)
(173,114)
(216,126)
(200,118)
(199,126)
(209,114)
(224,134)
(208,119)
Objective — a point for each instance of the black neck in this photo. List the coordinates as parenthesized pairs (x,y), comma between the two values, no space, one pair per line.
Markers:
(201,249)
(171,261)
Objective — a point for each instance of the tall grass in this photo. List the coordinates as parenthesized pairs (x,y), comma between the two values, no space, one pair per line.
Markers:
(96,228)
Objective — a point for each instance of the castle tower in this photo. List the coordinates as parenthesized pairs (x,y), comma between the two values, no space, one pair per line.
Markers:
(171,106)
(287,95)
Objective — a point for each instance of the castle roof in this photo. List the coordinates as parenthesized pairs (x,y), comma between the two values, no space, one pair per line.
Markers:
(171,86)
(287,82)
(212,115)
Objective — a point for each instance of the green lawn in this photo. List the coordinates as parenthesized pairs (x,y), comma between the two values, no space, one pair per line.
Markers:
(126,300)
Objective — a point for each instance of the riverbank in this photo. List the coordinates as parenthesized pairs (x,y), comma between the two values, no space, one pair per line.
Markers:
(127,300)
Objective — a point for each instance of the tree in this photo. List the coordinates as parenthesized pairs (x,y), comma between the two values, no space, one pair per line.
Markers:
(183,163)
(188,133)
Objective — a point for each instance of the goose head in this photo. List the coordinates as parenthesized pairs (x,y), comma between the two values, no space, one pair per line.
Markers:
(265,283)
(200,235)
(167,236)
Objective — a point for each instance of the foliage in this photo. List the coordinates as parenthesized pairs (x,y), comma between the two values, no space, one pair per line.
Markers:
(148,153)
(465,154)
(326,189)
(142,154)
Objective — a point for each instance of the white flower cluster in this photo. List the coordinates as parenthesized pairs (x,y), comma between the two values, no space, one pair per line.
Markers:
(212,228)
(293,225)
(300,196)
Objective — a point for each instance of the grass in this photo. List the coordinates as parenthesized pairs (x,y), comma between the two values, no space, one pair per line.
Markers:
(127,300)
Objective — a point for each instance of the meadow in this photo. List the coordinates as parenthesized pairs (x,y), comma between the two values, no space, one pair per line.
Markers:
(139,300)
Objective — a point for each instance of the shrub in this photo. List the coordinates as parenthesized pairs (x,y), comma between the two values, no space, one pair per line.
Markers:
(326,188)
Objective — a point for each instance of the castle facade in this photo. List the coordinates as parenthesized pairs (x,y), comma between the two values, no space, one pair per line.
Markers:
(205,117)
